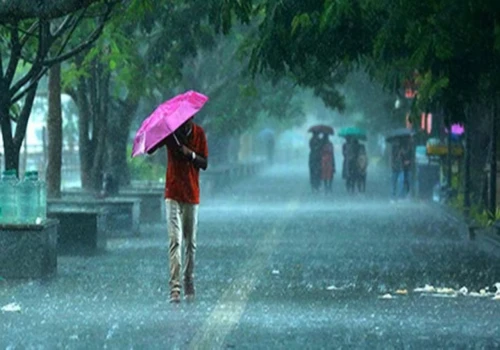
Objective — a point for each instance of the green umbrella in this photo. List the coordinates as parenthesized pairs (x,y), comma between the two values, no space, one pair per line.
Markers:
(353,131)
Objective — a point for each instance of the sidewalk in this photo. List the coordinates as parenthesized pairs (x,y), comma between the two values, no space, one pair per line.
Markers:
(488,239)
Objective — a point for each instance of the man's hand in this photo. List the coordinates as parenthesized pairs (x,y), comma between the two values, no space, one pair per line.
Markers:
(198,161)
(186,151)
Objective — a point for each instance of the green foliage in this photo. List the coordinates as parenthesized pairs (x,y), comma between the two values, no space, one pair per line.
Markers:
(429,89)
(299,22)
(454,45)
(313,42)
(477,213)
(145,168)
(450,43)
(484,218)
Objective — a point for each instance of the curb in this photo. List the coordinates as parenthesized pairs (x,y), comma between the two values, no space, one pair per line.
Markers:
(487,238)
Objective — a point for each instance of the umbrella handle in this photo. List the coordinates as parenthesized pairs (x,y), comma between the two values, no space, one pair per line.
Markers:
(177,140)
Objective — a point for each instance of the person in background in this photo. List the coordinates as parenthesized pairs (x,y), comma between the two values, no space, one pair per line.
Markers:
(406,163)
(350,151)
(315,144)
(187,153)
(327,163)
(362,166)
(396,170)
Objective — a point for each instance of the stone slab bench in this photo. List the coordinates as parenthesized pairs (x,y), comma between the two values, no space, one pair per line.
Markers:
(80,230)
(152,201)
(496,227)
(122,214)
(28,251)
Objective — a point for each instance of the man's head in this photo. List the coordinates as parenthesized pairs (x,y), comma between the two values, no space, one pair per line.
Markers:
(186,127)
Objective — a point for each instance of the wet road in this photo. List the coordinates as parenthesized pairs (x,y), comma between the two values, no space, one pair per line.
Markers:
(277,267)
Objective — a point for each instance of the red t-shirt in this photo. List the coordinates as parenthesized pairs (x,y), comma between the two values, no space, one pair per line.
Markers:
(183,183)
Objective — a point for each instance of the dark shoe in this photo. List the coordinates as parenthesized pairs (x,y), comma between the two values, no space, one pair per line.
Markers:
(189,291)
(175,297)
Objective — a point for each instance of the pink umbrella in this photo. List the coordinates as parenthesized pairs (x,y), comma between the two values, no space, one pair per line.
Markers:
(456,129)
(166,119)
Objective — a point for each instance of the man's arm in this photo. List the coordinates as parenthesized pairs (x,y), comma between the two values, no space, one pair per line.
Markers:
(197,160)
(159,145)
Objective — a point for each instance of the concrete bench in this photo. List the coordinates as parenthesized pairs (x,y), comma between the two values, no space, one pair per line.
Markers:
(152,203)
(80,230)
(122,214)
(473,228)
(28,251)
(496,227)
(152,200)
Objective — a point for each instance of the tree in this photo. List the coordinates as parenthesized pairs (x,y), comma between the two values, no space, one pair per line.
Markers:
(54,131)
(314,42)
(237,100)
(141,56)
(18,10)
(38,44)
(454,47)
(137,55)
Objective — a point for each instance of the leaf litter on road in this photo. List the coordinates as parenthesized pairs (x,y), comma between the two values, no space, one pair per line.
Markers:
(12,307)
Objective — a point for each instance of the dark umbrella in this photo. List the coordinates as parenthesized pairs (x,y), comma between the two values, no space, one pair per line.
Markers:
(399,133)
(321,128)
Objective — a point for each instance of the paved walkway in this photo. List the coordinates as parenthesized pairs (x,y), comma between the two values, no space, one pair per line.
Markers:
(278,268)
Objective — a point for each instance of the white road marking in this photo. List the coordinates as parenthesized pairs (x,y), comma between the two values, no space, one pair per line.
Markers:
(232,303)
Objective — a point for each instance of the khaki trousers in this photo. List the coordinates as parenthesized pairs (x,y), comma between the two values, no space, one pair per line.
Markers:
(182,224)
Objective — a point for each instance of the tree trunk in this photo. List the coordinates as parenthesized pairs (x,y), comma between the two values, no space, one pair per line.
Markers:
(118,142)
(12,143)
(85,145)
(467,161)
(11,161)
(54,127)
(99,95)
(493,163)
(92,98)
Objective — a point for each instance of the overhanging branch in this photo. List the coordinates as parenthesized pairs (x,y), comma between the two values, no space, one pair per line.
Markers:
(47,63)
(83,46)
(17,10)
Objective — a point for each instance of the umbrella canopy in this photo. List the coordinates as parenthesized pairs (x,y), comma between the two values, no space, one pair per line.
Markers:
(353,131)
(321,128)
(395,134)
(265,134)
(166,118)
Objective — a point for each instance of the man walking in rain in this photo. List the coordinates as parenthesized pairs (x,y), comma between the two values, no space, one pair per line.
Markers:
(187,153)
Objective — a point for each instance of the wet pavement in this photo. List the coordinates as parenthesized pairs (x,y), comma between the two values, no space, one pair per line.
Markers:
(277,268)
